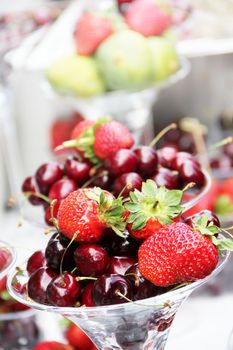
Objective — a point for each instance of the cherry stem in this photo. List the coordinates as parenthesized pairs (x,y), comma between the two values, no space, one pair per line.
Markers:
(37,194)
(127,186)
(63,255)
(119,294)
(162,133)
(93,178)
(83,278)
(165,304)
(53,219)
(227,232)
(188,186)
(221,143)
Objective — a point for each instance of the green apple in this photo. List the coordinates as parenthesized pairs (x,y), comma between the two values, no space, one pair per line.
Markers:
(165,58)
(76,74)
(125,61)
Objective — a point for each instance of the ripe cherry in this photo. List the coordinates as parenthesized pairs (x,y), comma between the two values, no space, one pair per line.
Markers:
(122,161)
(102,179)
(48,217)
(107,290)
(47,174)
(166,177)
(166,156)
(58,252)
(142,288)
(62,188)
(86,297)
(63,290)
(119,264)
(91,260)
(116,245)
(38,283)
(35,261)
(147,160)
(223,163)
(191,172)
(76,170)
(30,185)
(181,158)
(132,180)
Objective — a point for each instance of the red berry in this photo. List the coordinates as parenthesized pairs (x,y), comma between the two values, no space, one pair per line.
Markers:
(119,264)
(77,338)
(91,260)
(181,158)
(63,290)
(36,261)
(166,177)
(191,172)
(48,213)
(86,298)
(38,283)
(62,188)
(30,185)
(52,345)
(132,180)
(78,171)
(166,156)
(147,160)
(122,161)
(47,174)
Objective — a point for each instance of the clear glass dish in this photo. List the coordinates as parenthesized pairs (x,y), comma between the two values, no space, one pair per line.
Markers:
(142,325)
(10,260)
(18,330)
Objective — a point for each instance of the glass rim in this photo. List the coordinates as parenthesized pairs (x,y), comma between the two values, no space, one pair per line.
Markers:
(181,73)
(12,251)
(10,316)
(115,307)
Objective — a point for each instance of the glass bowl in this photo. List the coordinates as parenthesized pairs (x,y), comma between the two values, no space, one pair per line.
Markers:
(9,260)
(141,325)
(18,330)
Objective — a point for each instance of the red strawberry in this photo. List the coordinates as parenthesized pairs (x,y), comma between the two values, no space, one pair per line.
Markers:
(151,208)
(110,137)
(91,30)
(147,18)
(87,212)
(96,141)
(52,345)
(77,338)
(177,254)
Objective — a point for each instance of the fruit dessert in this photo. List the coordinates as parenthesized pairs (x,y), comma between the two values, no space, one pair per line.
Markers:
(17,322)
(103,155)
(125,50)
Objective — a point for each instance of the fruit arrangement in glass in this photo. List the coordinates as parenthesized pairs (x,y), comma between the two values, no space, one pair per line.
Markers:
(18,327)
(126,51)
(122,257)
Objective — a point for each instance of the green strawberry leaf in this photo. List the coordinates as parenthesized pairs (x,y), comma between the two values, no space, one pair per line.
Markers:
(132,218)
(223,243)
(139,222)
(201,225)
(174,197)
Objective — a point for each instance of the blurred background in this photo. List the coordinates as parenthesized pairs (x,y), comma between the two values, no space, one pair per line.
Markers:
(42,50)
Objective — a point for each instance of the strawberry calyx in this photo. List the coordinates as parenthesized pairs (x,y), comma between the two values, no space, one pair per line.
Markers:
(85,142)
(209,229)
(111,211)
(153,202)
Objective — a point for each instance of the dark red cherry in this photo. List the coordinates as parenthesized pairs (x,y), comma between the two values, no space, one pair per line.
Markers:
(64,290)
(181,158)
(107,288)
(102,179)
(91,260)
(166,177)
(132,180)
(48,217)
(35,261)
(119,264)
(166,156)
(60,256)
(116,245)
(142,288)
(62,188)
(190,220)
(38,283)
(87,299)
(147,160)
(47,174)
(78,171)
(191,172)
(122,161)
(30,185)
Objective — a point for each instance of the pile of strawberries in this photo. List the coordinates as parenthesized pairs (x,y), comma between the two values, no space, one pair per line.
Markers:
(119,230)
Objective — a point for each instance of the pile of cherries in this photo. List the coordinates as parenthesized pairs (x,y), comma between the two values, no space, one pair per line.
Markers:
(166,166)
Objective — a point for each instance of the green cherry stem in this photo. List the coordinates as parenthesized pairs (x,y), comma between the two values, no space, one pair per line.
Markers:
(84,278)
(221,143)
(63,255)
(162,133)
(93,178)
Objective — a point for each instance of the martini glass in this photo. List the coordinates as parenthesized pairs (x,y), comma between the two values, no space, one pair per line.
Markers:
(141,325)
(7,258)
